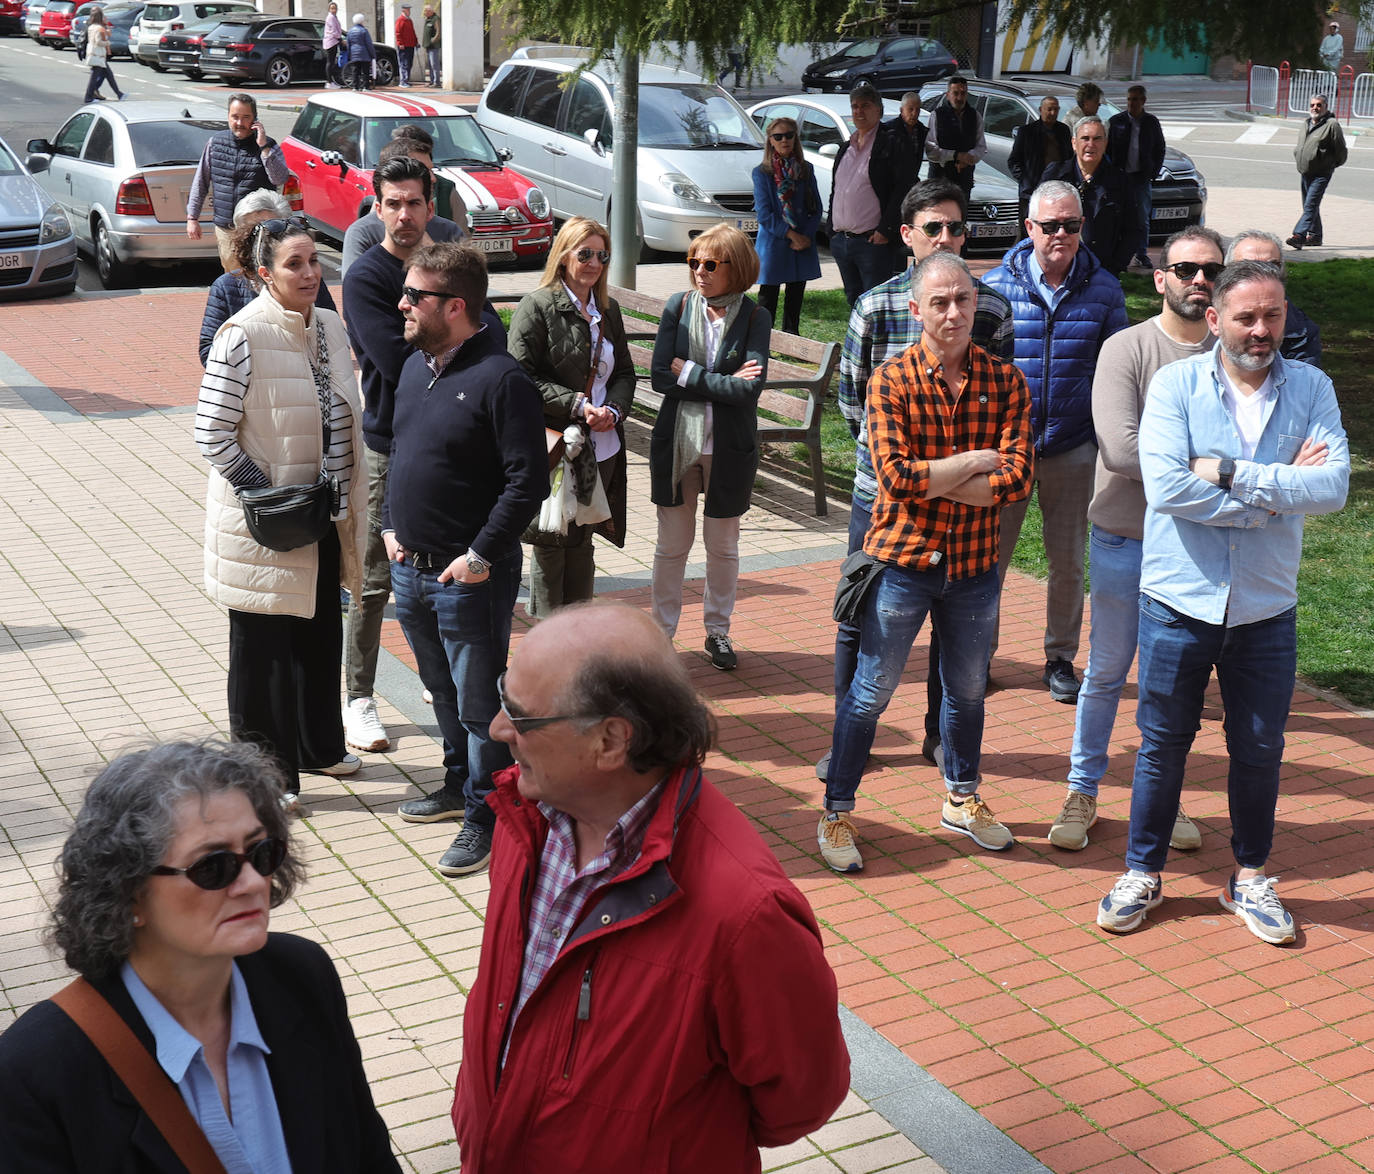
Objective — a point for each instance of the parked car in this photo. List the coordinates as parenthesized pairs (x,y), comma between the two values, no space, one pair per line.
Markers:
(11,16)
(81,21)
(892,64)
(334,147)
(122,173)
(55,27)
(37,247)
(697,146)
(121,22)
(33,18)
(1179,192)
(180,48)
(276,51)
(160,17)
(824,122)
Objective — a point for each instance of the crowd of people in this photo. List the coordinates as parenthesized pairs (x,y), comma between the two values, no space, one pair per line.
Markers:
(350,54)
(627,893)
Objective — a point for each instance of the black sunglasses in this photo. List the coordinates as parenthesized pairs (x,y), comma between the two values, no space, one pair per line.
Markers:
(933,228)
(524,724)
(693,263)
(585,255)
(1187,270)
(416,296)
(783,136)
(278,225)
(219,870)
(1072,226)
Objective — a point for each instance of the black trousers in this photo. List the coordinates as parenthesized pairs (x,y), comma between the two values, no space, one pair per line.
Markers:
(791,305)
(284,677)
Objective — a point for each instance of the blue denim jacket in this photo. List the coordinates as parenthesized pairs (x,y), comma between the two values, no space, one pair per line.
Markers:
(1232,558)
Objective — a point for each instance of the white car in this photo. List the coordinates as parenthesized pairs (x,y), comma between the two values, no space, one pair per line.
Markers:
(824,122)
(697,146)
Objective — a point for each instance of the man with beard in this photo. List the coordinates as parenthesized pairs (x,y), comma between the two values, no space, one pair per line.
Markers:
(467,472)
(1302,338)
(1237,444)
(1190,262)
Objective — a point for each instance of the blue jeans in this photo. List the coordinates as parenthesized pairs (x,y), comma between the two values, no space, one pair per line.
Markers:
(1256,664)
(1313,189)
(1115,572)
(460,635)
(405,58)
(862,265)
(847,635)
(963,613)
(1140,187)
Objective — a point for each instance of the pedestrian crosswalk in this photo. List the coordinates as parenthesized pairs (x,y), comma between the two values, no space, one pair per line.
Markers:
(1227,130)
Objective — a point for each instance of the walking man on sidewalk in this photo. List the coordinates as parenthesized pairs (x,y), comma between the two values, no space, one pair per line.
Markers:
(1319,151)
(1065,306)
(1188,265)
(949,429)
(881,327)
(1236,446)
(1302,338)
(652,993)
(1135,145)
(468,470)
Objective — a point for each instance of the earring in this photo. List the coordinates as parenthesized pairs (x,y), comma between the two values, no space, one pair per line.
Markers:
(137,919)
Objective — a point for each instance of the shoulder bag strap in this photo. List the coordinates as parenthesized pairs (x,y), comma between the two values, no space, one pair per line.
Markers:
(135,1066)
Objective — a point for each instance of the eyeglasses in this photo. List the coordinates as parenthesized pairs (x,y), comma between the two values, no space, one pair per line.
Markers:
(1049,227)
(523,723)
(1187,270)
(933,228)
(585,255)
(416,296)
(693,263)
(219,870)
(783,136)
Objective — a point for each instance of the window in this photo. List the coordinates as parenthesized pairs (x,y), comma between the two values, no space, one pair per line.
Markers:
(817,130)
(342,133)
(161,144)
(901,50)
(543,98)
(766,115)
(587,111)
(693,117)
(71,136)
(309,124)
(100,146)
(156,12)
(504,96)
(1002,116)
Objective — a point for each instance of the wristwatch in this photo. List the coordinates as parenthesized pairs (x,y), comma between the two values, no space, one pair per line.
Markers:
(1226,469)
(477,564)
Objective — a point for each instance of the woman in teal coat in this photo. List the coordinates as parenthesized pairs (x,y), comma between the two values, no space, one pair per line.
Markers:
(788,205)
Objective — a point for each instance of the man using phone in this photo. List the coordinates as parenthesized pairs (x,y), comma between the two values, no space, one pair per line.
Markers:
(235,161)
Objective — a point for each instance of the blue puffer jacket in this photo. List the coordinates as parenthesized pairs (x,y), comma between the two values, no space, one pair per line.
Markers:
(1057,352)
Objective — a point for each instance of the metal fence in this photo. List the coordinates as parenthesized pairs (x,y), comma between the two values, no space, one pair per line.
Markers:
(1362,96)
(1264,88)
(1307,82)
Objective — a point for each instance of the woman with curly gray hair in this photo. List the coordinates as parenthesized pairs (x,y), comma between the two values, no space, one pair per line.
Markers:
(165,886)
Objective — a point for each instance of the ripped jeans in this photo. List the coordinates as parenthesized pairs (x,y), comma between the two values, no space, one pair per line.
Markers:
(964,614)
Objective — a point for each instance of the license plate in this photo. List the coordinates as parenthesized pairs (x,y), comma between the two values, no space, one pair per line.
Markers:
(1176,212)
(219,52)
(11,261)
(747,225)
(987,230)
(493,244)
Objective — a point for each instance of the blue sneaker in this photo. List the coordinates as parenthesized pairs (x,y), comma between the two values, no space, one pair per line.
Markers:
(1133,896)
(1256,903)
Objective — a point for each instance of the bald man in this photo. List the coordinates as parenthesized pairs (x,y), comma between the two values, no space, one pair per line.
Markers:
(646,965)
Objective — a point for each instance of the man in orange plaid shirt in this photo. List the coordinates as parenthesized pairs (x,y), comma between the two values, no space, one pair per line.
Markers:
(949,430)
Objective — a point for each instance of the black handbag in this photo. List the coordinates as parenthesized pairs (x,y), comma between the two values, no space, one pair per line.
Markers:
(287,517)
(858,573)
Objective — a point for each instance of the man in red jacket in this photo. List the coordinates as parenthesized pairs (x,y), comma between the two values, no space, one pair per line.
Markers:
(406,40)
(652,993)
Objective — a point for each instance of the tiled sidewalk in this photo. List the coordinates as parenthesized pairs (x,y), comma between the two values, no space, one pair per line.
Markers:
(1186,1046)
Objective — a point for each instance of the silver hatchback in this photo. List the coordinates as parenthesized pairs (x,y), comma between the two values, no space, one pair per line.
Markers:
(37,248)
(122,172)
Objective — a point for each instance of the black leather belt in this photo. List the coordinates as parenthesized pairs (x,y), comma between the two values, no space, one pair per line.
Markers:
(422,561)
(862,235)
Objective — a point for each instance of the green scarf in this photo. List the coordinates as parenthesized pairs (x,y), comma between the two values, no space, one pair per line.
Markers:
(689,435)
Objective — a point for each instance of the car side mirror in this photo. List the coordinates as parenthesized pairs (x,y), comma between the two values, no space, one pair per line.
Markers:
(39,147)
(505,154)
(38,163)
(829,150)
(593,137)
(334,159)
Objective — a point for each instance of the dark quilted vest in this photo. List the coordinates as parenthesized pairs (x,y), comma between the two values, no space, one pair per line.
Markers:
(235,170)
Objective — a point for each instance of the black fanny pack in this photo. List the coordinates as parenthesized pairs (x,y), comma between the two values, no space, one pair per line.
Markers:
(290,516)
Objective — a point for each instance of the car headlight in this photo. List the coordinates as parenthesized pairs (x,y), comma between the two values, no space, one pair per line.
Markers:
(683,188)
(538,203)
(55,226)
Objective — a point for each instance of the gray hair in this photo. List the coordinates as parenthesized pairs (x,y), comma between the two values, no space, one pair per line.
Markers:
(1256,234)
(1085,120)
(1053,189)
(866,92)
(262,200)
(128,818)
(1194,232)
(358,18)
(1240,273)
(936,263)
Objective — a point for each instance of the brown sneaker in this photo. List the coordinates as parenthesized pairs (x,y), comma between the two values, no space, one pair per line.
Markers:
(835,835)
(1070,830)
(1187,836)
(973,818)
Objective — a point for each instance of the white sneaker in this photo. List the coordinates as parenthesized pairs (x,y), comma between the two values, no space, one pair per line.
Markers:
(428,696)
(363,729)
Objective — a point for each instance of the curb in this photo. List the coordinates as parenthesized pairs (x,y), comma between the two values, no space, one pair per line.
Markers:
(1238,114)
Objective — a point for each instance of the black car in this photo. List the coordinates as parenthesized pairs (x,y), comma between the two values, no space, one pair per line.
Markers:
(276,50)
(180,48)
(893,64)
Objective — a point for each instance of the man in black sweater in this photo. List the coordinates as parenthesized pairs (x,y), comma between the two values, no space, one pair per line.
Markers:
(1035,147)
(468,471)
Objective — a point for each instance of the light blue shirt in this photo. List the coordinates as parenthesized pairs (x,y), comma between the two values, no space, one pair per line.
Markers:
(1051,295)
(253,1143)
(1231,558)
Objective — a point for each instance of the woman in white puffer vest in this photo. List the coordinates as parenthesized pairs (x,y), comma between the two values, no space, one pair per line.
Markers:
(279,398)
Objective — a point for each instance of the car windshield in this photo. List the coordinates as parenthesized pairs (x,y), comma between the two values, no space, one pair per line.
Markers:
(694,117)
(456,140)
(159,12)
(162,144)
(864,48)
(9,165)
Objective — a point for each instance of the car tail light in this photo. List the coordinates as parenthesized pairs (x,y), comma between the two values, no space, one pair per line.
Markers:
(176,25)
(291,189)
(133,198)
(193,41)
(241,47)
(162,40)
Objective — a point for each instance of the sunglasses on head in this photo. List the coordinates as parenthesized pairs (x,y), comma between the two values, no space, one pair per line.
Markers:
(1187,270)
(695,263)
(783,136)
(415,296)
(523,723)
(585,255)
(219,870)
(1072,226)
(278,225)
(933,228)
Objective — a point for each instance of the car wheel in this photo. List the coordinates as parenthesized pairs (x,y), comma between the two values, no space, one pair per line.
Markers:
(114,274)
(386,71)
(194,74)
(157,65)
(279,73)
